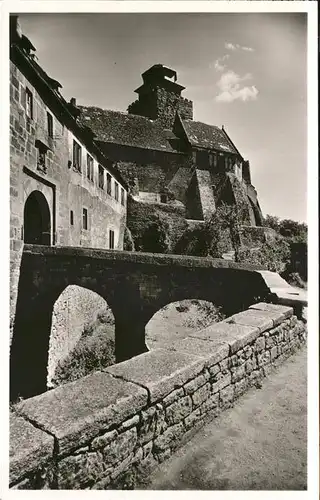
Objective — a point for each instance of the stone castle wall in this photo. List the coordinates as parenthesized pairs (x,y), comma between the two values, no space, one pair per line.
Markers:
(121,422)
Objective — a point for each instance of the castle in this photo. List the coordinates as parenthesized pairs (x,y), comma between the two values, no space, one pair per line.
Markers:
(167,157)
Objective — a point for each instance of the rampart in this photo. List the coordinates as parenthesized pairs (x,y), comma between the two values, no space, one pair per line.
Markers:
(120,422)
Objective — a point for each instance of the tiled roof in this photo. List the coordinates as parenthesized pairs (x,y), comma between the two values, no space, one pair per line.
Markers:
(125,128)
(207,136)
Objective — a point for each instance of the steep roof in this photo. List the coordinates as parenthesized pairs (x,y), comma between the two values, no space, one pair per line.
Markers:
(126,129)
(208,136)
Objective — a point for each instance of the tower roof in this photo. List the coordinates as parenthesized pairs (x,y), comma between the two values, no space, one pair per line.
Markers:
(160,75)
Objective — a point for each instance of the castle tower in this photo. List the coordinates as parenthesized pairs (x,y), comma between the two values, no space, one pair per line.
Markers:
(160,97)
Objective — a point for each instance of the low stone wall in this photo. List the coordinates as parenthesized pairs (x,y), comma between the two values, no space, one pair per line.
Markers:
(119,423)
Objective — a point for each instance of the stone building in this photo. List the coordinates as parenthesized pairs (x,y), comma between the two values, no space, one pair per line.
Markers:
(63,188)
(169,158)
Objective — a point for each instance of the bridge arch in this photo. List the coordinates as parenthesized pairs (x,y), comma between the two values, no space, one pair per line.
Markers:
(37,219)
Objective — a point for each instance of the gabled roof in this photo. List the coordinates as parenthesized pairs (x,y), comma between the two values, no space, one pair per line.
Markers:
(208,136)
(126,129)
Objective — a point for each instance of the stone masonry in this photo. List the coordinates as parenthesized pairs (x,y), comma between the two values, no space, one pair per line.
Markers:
(109,427)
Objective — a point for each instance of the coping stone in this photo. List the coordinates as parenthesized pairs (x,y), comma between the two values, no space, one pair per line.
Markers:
(285,311)
(78,411)
(160,371)
(263,320)
(211,350)
(235,335)
(30,448)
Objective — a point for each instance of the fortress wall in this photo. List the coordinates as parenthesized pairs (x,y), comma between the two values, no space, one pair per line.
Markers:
(106,429)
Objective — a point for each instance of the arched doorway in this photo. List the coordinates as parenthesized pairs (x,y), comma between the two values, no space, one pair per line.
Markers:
(37,225)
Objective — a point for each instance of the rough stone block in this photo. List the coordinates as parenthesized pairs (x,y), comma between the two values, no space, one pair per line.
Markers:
(78,471)
(251,364)
(120,447)
(273,353)
(160,371)
(152,423)
(221,384)
(78,411)
(263,358)
(194,384)
(104,440)
(168,438)
(178,410)
(201,395)
(237,373)
(260,344)
(132,422)
(173,396)
(30,448)
(122,467)
(214,370)
(211,403)
(226,397)
(192,418)
(240,387)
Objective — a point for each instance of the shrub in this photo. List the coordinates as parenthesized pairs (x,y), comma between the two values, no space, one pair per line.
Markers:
(273,256)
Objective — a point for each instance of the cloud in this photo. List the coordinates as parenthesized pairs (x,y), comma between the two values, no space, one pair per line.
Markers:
(236,46)
(231,89)
(218,66)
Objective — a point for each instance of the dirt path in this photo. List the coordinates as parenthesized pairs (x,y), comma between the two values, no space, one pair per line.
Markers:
(261,443)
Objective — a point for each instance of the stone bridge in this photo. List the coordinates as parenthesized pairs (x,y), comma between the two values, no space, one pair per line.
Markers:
(135,286)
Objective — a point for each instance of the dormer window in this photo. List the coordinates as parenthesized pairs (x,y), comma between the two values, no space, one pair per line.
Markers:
(163,198)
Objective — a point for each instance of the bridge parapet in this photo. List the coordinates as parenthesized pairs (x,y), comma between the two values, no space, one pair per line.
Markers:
(133,415)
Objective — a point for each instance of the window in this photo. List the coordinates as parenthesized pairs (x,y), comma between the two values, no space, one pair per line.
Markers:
(77,153)
(215,160)
(85,218)
(29,104)
(111,239)
(109,184)
(101,177)
(163,198)
(116,191)
(89,167)
(50,124)
(71,217)
(41,156)
(122,196)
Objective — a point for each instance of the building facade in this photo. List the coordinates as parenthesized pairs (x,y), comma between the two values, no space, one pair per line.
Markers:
(63,189)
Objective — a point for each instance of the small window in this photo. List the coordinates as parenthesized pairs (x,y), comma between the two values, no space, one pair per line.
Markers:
(41,156)
(89,167)
(109,184)
(163,198)
(41,161)
(111,239)
(50,124)
(116,191)
(85,218)
(77,153)
(71,217)
(122,196)
(29,104)
(101,177)
(215,160)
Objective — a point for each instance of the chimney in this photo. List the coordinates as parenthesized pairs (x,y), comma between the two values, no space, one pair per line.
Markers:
(73,102)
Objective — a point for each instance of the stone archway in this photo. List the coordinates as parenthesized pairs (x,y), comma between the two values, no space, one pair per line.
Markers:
(36,220)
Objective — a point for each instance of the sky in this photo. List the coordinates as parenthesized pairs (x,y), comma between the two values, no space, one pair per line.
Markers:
(244,71)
